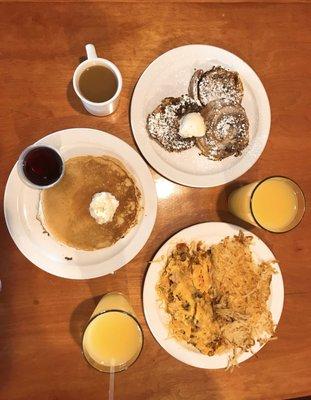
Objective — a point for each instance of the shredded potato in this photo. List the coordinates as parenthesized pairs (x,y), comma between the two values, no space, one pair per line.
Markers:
(217,297)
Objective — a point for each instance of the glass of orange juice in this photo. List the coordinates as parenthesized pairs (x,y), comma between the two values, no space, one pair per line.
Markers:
(113,338)
(276,204)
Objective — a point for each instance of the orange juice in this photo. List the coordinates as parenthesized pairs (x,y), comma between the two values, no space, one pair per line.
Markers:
(239,202)
(276,203)
(113,338)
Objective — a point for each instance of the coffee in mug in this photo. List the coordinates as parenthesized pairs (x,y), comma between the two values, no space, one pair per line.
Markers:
(98,84)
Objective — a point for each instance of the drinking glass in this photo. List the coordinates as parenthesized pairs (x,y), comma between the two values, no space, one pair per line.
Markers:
(276,204)
(113,338)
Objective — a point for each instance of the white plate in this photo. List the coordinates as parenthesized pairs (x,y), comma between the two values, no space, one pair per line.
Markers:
(169,75)
(21,204)
(157,318)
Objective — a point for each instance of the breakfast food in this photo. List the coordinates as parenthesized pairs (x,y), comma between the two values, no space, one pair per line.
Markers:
(96,203)
(210,116)
(215,84)
(227,130)
(163,123)
(217,297)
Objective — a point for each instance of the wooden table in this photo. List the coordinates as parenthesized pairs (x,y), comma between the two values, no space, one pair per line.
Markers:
(41,316)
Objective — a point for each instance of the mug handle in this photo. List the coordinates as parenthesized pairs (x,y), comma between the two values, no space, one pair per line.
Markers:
(90,51)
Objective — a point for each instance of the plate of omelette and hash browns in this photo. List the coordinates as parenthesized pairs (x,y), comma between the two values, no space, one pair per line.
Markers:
(213,295)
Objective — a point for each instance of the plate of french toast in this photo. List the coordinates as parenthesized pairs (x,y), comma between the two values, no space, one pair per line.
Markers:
(200,115)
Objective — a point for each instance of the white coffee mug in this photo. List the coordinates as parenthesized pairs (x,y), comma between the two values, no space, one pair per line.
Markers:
(106,107)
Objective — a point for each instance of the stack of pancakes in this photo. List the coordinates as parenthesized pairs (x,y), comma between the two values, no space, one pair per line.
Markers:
(65,207)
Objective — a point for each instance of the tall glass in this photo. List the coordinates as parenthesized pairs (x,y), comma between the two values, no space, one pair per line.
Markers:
(113,338)
(276,204)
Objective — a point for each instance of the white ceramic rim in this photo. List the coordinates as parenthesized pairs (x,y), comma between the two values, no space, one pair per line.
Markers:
(135,239)
(184,178)
(155,315)
(91,62)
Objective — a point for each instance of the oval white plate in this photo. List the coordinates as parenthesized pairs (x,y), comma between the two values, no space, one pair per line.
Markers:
(169,75)
(21,205)
(157,318)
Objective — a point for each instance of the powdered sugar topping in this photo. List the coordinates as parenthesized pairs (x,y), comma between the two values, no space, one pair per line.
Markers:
(219,83)
(163,122)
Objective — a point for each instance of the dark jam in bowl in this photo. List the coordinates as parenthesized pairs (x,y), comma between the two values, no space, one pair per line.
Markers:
(42,166)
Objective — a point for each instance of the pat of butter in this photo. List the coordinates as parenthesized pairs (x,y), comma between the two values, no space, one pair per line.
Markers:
(192,125)
(103,207)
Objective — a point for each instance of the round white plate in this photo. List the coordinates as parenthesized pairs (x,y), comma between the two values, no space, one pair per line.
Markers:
(157,318)
(169,75)
(21,206)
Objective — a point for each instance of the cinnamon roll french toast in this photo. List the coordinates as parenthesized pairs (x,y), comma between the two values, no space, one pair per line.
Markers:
(215,84)
(164,122)
(227,130)
(210,116)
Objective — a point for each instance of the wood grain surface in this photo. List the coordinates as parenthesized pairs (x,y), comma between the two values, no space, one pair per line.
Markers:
(41,316)
(167,1)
